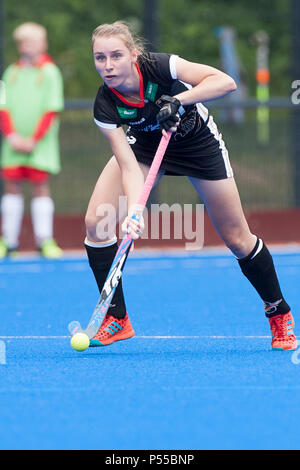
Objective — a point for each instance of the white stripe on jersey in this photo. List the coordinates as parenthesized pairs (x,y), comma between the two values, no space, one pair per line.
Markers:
(172,63)
(214,130)
(105,125)
(203,111)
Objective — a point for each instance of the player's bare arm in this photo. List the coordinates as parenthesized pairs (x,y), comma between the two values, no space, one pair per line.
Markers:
(132,176)
(208,82)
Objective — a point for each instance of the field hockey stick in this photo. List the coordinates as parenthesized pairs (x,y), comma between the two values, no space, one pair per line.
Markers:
(115,272)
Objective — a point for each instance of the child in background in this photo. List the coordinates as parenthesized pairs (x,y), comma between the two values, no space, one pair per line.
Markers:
(30,149)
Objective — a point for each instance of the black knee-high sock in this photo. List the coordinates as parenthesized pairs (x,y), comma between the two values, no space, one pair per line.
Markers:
(100,260)
(259,269)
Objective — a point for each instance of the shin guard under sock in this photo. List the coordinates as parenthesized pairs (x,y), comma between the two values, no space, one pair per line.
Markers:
(258,267)
(100,260)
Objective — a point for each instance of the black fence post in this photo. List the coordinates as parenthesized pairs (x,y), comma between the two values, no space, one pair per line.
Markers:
(151,25)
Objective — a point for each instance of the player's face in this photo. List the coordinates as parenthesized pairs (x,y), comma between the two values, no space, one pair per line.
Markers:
(113,60)
(31,47)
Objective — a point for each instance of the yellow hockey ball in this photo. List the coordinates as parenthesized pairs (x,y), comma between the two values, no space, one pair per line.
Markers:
(80,341)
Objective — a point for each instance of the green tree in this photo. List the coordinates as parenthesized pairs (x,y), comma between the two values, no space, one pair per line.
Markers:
(186,28)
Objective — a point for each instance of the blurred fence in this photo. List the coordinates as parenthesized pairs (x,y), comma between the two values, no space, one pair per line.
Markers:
(265,173)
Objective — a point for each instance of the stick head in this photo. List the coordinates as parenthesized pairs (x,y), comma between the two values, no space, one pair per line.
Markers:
(74,327)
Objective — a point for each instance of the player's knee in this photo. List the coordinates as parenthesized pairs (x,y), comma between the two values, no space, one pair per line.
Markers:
(12,187)
(239,242)
(40,190)
(90,225)
(99,229)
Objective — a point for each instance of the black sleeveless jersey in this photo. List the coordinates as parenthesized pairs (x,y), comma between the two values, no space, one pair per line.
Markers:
(157,77)
(195,149)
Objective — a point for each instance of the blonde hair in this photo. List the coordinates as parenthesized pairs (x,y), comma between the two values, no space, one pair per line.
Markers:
(121,29)
(30,30)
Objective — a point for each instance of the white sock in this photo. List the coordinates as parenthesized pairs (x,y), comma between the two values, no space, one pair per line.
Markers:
(105,244)
(12,209)
(42,210)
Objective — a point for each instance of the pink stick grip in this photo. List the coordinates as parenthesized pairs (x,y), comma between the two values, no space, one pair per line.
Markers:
(150,180)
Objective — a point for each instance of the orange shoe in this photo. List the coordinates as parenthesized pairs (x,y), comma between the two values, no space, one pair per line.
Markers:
(112,329)
(283,337)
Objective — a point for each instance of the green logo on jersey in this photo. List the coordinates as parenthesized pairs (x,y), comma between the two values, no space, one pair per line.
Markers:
(126,113)
(151,91)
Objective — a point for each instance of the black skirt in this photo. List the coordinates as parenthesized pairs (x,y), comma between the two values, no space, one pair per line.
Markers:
(204,155)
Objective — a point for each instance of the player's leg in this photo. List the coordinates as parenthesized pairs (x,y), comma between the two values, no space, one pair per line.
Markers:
(103,213)
(101,240)
(224,207)
(101,245)
(42,215)
(12,209)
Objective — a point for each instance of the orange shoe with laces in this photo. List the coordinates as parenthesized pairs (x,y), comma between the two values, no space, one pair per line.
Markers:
(112,329)
(283,337)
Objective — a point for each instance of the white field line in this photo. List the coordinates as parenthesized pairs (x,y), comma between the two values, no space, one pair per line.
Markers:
(152,337)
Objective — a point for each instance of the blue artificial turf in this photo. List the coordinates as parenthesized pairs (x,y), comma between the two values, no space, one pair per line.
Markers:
(199,374)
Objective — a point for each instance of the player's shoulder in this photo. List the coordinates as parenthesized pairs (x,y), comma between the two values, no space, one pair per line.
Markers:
(102,90)
(157,65)
(153,59)
(103,95)
(105,107)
